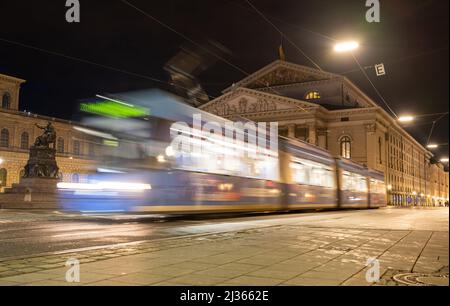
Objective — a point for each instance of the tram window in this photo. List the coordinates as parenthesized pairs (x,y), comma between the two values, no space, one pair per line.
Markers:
(353,182)
(377,186)
(305,172)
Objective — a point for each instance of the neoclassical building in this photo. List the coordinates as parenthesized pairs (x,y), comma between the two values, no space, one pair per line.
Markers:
(18,132)
(329,111)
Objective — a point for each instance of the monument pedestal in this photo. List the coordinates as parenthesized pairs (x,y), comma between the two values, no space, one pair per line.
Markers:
(38,187)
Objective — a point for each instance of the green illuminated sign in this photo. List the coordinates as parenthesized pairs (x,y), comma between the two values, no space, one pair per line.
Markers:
(114,109)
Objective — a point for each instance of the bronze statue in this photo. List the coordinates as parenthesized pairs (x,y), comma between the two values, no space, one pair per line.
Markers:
(42,161)
(48,137)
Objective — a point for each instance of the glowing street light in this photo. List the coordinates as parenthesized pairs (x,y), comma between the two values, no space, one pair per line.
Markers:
(346,46)
(444,160)
(406,119)
(1,161)
(432,146)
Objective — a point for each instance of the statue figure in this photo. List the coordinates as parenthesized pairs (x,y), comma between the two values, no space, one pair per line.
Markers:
(48,137)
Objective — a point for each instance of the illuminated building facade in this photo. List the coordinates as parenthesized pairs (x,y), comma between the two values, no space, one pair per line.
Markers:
(18,132)
(329,111)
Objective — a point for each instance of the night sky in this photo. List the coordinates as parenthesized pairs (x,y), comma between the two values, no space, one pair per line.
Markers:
(412,40)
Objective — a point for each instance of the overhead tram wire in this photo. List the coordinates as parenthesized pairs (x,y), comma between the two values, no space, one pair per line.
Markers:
(315,64)
(374,87)
(433,126)
(298,27)
(183,36)
(284,36)
(199,45)
(406,58)
(89,62)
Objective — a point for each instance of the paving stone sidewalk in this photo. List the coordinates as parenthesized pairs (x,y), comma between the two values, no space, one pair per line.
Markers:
(278,255)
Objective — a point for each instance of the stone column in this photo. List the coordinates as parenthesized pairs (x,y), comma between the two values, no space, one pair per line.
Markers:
(322,137)
(312,134)
(291,130)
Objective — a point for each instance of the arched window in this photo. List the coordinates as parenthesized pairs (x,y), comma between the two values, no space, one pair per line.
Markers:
(76,147)
(346,147)
(60,145)
(313,95)
(6,100)
(24,141)
(3,177)
(4,138)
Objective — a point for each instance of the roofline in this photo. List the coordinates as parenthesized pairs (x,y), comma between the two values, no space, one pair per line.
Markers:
(275,63)
(37,116)
(356,88)
(253,91)
(403,131)
(10,78)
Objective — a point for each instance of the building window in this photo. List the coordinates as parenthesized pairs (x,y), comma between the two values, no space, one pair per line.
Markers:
(3,177)
(301,133)
(60,145)
(75,178)
(4,138)
(346,147)
(380,150)
(6,100)
(313,95)
(76,147)
(283,132)
(24,141)
(91,149)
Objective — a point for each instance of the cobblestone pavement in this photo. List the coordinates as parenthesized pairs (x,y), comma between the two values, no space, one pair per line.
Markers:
(295,253)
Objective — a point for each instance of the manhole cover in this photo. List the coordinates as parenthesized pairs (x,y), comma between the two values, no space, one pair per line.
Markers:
(420,279)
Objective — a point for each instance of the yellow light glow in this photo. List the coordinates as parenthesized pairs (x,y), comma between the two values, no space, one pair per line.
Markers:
(432,146)
(161,159)
(170,151)
(346,46)
(406,119)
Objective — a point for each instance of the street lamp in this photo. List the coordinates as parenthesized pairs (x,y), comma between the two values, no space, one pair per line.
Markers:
(346,46)
(1,161)
(444,160)
(432,146)
(406,119)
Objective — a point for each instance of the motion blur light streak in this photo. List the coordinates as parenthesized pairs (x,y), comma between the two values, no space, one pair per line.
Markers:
(94,133)
(114,109)
(119,186)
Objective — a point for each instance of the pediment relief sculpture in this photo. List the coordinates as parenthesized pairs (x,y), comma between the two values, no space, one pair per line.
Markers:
(282,76)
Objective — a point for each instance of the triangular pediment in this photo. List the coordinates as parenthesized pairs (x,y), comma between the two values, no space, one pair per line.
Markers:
(281,73)
(244,101)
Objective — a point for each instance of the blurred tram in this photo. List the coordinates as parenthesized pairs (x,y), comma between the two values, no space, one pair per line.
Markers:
(138,170)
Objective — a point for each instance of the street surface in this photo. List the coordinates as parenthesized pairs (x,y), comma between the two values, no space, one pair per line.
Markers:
(320,248)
